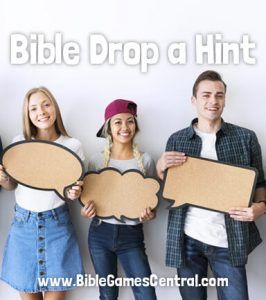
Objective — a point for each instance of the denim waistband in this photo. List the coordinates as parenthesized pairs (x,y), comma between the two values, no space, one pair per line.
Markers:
(44,214)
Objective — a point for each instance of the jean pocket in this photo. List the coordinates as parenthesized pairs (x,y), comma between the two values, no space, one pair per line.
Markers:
(19,219)
(95,223)
(137,227)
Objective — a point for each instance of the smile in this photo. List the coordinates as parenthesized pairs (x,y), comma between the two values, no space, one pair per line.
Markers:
(212,108)
(124,134)
(44,119)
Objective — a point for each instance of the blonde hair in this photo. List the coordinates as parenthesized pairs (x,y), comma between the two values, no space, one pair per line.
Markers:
(30,130)
(106,132)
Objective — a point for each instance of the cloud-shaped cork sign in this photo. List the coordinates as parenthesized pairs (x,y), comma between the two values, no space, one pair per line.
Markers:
(209,184)
(42,165)
(120,195)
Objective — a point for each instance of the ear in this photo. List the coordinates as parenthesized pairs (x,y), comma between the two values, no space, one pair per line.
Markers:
(193,100)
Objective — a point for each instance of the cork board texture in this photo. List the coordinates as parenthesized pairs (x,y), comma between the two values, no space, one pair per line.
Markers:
(120,195)
(209,184)
(42,165)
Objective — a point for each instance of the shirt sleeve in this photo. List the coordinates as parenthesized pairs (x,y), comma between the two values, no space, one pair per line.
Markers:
(149,165)
(256,160)
(170,144)
(80,152)
(95,162)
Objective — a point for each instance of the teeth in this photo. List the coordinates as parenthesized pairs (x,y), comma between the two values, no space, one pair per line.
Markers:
(212,109)
(43,119)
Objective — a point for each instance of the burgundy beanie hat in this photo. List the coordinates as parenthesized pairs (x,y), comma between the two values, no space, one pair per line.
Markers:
(118,106)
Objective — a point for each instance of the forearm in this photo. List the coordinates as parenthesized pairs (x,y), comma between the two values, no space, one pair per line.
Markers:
(9,184)
(260,199)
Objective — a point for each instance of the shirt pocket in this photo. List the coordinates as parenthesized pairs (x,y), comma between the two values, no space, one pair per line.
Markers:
(237,154)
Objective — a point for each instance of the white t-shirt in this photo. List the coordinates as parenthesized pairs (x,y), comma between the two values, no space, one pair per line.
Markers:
(39,200)
(202,224)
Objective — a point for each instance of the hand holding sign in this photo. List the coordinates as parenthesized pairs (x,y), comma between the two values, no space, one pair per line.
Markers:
(120,195)
(209,184)
(42,165)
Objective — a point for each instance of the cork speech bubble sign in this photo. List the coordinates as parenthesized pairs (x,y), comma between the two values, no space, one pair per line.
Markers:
(120,195)
(42,165)
(209,184)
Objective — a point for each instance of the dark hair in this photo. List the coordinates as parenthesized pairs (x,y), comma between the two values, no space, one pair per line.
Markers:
(207,75)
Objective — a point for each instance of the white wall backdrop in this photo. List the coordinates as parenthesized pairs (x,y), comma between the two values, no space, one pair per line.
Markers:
(163,93)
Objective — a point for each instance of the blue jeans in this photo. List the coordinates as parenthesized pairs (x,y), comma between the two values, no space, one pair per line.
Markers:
(109,242)
(198,255)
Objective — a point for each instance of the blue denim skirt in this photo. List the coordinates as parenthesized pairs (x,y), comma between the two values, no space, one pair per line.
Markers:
(41,251)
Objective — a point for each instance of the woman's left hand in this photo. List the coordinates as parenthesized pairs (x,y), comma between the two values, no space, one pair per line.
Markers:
(74,192)
(147,214)
(248,214)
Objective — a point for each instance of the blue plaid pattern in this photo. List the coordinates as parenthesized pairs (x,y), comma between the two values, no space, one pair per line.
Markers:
(235,145)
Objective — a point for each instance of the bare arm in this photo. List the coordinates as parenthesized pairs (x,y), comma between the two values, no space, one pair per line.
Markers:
(5,181)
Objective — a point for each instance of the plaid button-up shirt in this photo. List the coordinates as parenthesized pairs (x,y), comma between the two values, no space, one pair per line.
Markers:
(234,145)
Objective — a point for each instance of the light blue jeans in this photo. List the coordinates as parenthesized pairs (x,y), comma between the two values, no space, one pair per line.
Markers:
(41,245)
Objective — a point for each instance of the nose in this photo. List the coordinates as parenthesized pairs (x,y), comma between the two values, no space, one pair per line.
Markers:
(124,126)
(213,99)
(40,111)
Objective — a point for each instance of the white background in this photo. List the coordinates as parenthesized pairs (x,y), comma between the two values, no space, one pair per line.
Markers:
(163,94)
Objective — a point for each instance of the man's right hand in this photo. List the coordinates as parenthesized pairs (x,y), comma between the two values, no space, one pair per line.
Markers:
(169,159)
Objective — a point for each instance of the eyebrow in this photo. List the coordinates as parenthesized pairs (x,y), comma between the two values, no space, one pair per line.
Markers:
(120,119)
(44,100)
(207,92)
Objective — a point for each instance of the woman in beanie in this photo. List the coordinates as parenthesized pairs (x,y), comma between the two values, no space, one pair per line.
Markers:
(109,239)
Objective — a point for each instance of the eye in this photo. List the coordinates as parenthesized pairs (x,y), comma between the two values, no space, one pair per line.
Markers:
(33,109)
(117,122)
(131,122)
(47,104)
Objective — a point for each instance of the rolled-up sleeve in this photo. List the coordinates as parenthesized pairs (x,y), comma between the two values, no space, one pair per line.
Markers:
(256,160)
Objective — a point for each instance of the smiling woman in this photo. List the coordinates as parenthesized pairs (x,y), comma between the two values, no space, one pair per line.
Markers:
(41,111)
(109,239)
(123,128)
(41,231)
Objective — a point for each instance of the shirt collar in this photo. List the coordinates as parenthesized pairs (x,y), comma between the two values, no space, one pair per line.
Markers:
(191,131)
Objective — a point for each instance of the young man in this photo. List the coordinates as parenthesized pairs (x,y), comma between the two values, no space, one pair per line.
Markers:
(198,237)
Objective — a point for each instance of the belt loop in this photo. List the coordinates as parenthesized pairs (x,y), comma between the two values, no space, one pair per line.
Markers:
(28,215)
(54,214)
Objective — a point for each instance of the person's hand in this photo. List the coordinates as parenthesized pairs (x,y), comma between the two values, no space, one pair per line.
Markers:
(88,210)
(4,178)
(74,192)
(5,181)
(248,214)
(169,159)
(147,214)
